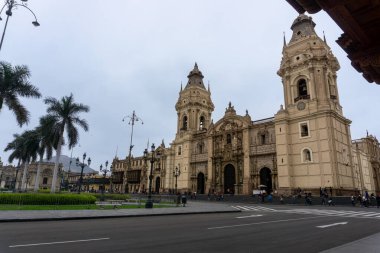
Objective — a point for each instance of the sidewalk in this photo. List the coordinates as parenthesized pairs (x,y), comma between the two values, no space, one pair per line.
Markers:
(191,208)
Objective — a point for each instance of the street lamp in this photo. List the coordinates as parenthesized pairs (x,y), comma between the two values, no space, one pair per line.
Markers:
(82,165)
(155,156)
(176,173)
(133,118)
(9,5)
(104,171)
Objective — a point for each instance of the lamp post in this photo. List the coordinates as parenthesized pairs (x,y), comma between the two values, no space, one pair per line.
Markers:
(155,156)
(133,118)
(82,165)
(9,6)
(104,171)
(176,173)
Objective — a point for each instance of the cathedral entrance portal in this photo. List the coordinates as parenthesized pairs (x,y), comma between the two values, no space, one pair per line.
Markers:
(201,183)
(266,179)
(229,179)
(157,188)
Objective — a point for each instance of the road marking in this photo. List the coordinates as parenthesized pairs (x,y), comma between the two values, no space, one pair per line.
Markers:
(250,216)
(62,242)
(334,224)
(244,208)
(264,222)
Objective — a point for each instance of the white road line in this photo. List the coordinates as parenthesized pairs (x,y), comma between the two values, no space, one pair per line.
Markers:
(236,207)
(62,242)
(264,222)
(244,208)
(334,224)
(250,216)
(266,209)
(371,214)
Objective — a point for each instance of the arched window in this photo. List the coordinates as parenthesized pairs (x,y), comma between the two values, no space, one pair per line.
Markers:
(180,150)
(201,122)
(302,88)
(228,139)
(184,123)
(307,155)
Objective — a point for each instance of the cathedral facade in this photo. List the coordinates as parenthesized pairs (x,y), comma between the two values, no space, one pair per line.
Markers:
(306,145)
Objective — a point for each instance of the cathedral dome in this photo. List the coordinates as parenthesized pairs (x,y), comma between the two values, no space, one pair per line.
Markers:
(303,26)
(195,78)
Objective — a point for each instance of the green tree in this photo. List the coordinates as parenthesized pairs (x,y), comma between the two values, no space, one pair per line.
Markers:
(14,83)
(65,113)
(25,149)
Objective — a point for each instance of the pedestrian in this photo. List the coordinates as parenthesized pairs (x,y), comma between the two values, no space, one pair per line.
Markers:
(365,201)
(352,200)
(270,198)
(282,199)
(378,200)
(323,200)
(184,200)
(330,202)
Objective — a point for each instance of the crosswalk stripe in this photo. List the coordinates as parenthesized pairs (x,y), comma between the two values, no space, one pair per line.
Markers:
(244,208)
(326,212)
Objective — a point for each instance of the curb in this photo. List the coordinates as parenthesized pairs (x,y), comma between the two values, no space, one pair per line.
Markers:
(113,216)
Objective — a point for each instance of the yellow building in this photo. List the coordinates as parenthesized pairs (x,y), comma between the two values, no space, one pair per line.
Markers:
(306,145)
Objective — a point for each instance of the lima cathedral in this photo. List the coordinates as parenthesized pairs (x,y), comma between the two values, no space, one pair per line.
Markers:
(307,144)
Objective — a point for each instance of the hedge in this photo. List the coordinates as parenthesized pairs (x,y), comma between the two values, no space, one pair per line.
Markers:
(45,199)
(111,196)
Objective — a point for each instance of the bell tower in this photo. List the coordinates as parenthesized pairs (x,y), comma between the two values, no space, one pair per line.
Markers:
(313,140)
(194,105)
(194,108)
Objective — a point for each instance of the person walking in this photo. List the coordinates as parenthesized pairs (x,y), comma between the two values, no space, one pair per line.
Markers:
(378,200)
(352,200)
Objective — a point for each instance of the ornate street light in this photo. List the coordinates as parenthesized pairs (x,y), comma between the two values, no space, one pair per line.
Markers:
(104,171)
(9,6)
(82,165)
(132,119)
(176,173)
(155,157)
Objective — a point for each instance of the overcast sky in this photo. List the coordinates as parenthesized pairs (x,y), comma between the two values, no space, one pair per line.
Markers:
(124,55)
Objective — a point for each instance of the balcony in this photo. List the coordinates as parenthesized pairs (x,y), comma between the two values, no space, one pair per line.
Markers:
(199,157)
(302,97)
(263,149)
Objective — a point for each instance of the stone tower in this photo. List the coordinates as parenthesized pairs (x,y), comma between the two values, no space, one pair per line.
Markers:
(194,108)
(312,135)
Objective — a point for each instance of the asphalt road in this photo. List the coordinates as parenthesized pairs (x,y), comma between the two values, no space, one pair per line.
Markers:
(258,230)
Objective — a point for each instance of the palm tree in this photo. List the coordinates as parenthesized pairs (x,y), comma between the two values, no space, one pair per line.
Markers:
(65,114)
(24,149)
(16,146)
(14,83)
(47,139)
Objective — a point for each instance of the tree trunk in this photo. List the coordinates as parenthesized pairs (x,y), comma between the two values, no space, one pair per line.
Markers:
(23,181)
(55,172)
(37,180)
